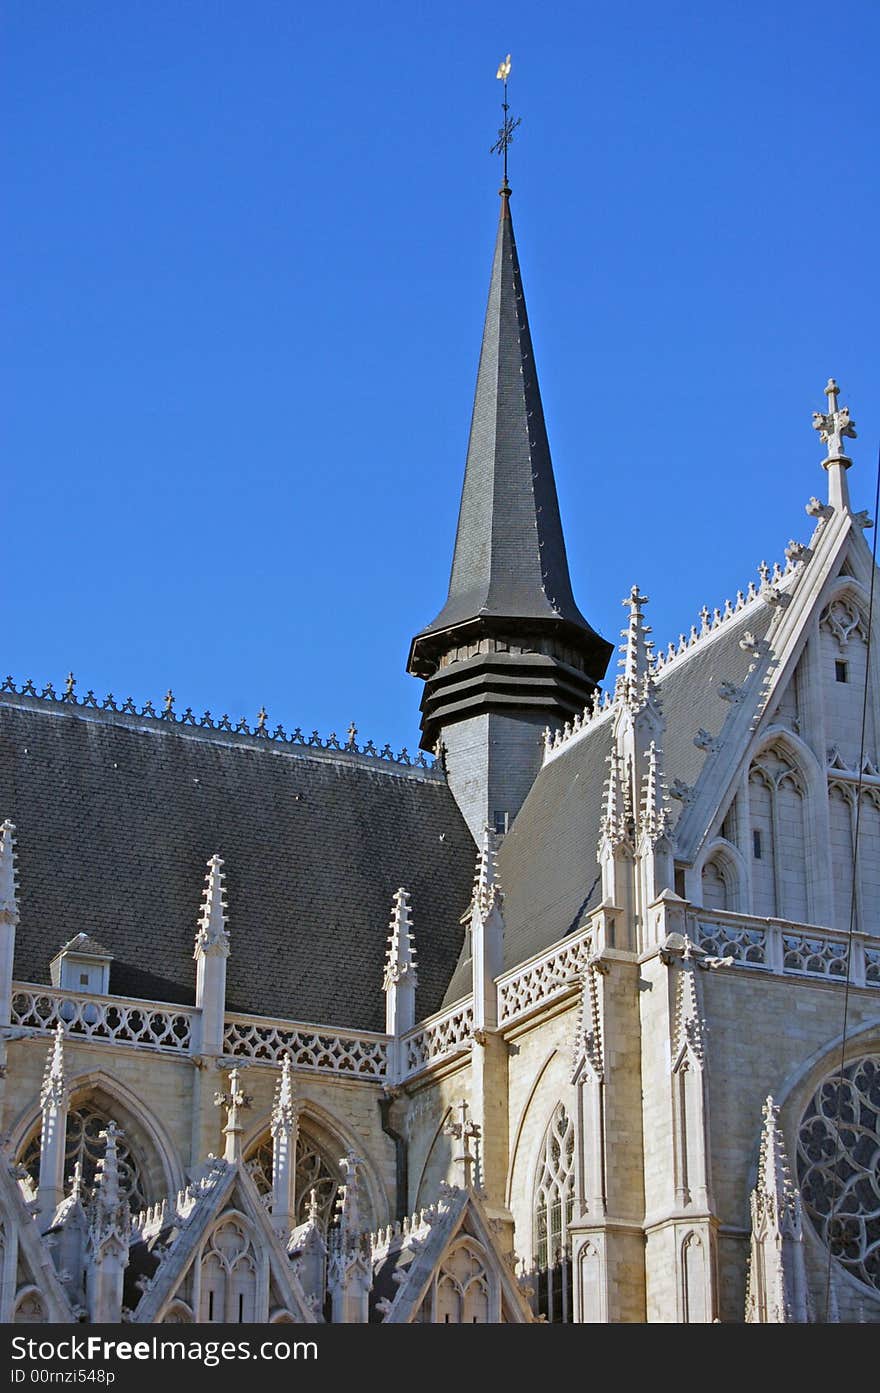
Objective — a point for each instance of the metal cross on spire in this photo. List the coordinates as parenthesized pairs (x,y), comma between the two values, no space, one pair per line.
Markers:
(509,124)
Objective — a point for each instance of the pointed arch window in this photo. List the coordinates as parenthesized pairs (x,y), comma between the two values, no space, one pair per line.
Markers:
(84,1146)
(778,813)
(553,1208)
(314,1171)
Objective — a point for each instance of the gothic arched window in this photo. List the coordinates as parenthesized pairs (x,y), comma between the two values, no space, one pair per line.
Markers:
(315,1170)
(777,802)
(85,1146)
(554,1202)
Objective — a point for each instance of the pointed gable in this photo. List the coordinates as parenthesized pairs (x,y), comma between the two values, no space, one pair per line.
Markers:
(169,1240)
(446,1265)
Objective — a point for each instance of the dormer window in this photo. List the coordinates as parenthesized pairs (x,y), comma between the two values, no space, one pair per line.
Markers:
(82,965)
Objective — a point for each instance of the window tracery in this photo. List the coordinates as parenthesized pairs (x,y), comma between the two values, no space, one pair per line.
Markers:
(839,1166)
(85,1145)
(314,1171)
(554,1204)
(229,1276)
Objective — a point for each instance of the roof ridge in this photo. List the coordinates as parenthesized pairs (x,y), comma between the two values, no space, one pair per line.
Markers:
(168,716)
(769,590)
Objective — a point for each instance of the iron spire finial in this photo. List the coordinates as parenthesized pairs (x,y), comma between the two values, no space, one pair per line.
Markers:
(509,123)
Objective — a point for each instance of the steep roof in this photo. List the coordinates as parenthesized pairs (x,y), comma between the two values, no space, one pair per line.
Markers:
(116,817)
(547,863)
(509,559)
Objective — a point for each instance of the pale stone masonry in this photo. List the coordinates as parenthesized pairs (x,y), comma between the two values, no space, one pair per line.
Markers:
(579,1022)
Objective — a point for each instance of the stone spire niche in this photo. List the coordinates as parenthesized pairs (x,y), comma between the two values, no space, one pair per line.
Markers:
(510,652)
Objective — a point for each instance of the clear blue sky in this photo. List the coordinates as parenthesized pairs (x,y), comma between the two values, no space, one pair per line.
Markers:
(245,258)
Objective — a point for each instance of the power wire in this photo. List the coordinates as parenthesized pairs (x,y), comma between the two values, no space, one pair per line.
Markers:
(852,898)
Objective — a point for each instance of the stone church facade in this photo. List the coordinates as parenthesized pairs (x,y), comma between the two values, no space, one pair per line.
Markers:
(574,1016)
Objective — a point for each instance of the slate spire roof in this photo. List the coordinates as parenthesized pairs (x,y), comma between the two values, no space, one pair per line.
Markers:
(509,560)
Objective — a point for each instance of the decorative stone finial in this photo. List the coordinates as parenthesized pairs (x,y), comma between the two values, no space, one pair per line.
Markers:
(212,937)
(285,1109)
(834,425)
(54,1089)
(351,1166)
(8,887)
(400,959)
(463,1131)
(487,889)
(656,816)
(313,1207)
(235,1101)
(776,1290)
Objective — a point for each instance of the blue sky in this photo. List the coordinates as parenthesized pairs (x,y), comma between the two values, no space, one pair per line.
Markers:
(245,259)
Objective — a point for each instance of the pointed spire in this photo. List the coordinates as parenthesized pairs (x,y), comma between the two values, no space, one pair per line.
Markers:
(351,1166)
(399,983)
(400,959)
(8,886)
(54,1090)
(108,1237)
(777,1290)
(778,1201)
(212,937)
(53,1130)
(350,1274)
(616,805)
(588,1028)
(487,889)
(107,1196)
(636,650)
(509,559)
(688,1026)
(284,1127)
(509,590)
(284,1110)
(656,816)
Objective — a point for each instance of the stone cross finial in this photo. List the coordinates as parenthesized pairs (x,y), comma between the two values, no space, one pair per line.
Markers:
(835,424)
(262,716)
(464,1131)
(235,1100)
(352,736)
(169,700)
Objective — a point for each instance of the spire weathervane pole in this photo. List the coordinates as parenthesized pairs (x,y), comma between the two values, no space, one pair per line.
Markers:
(509,124)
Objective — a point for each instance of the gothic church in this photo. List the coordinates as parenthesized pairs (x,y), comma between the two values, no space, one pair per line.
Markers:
(625,1070)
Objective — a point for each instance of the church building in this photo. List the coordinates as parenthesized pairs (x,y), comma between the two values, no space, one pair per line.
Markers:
(574,1016)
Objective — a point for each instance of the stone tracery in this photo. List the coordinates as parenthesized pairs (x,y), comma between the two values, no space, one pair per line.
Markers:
(838,1164)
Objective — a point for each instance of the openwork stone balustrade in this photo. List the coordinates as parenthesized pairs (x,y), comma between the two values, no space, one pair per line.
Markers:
(115,1020)
(775,945)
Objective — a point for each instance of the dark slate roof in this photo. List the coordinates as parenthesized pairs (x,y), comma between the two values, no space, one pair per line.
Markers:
(509,558)
(547,864)
(689,690)
(116,820)
(89,947)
